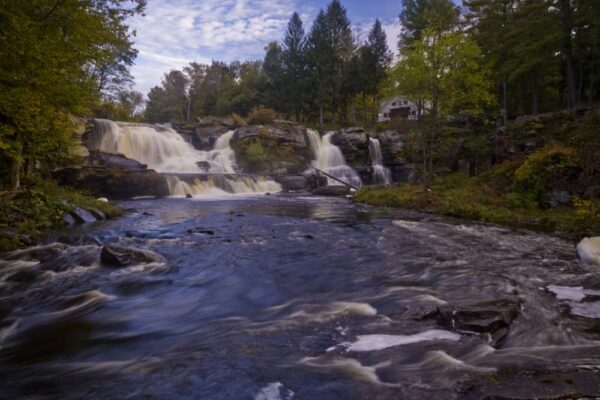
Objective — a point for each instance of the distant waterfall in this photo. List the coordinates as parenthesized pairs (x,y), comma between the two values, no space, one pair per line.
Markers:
(329,158)
(161,148)
(165,151)
(381,174)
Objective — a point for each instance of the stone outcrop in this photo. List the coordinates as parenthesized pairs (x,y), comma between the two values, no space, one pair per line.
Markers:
(354,144)
(206,131)
(276,149)
(301,183)
(392,147)
(114,176)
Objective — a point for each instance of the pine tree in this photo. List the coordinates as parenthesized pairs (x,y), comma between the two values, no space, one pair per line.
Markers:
(320,62)
(420,15)
(294,66)
(376,59)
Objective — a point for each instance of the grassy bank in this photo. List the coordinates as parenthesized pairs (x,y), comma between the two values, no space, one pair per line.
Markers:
(29,214)
(493,197)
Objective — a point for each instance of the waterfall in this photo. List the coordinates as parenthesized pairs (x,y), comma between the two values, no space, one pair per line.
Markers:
(329,158)
(164,150)
(161,148)
(381,174)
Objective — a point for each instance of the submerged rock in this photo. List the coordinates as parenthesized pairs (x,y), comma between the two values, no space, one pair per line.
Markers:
(491,318)
(589,251)
(116,256)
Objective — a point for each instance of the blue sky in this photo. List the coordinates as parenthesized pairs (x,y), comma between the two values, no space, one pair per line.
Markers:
(176,32)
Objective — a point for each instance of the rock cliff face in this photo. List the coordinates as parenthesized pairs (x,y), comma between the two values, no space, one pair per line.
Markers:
(354,144)
(114,176)
(206,131)
(277,149)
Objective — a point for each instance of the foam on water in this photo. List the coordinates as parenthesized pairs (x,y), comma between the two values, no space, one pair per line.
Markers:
(380,342)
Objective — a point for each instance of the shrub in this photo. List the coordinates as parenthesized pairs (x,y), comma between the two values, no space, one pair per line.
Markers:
(262,116)
(534,176)
(238,120)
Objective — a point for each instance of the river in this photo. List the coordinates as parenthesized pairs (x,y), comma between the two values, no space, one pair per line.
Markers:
(280,297)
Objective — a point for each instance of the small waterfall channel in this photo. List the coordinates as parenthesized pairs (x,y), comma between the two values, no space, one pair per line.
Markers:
(329,158)
(165,151)
(381,174)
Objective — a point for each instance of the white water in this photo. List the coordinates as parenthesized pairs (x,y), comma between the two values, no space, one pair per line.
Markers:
(381,174)
(329,158)
(161,148)
(164,150)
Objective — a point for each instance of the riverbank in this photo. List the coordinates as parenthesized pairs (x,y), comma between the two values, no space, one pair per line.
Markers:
(490,197)
(40,207)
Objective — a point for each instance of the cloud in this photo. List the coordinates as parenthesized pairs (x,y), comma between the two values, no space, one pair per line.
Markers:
(175,32)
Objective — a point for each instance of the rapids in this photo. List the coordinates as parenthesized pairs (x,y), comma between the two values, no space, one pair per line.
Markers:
(281,297)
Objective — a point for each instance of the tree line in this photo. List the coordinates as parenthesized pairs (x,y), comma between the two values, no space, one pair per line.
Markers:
(59,59)
(328,74)
(528,56)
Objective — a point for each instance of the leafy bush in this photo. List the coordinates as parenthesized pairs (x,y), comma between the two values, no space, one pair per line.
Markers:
(238,120)
(39,207)
(262,116)
(534,176)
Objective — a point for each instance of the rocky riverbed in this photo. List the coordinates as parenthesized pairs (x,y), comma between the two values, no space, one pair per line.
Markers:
(279,297)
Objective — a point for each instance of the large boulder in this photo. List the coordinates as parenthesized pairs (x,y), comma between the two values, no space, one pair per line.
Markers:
(354,144)
(114,176)
(392,149)
(277,149)
(589,251)
(205,133)
(116,256)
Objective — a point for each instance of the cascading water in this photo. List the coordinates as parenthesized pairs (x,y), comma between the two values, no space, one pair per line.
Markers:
(165,151)
(381,174)
(329,158)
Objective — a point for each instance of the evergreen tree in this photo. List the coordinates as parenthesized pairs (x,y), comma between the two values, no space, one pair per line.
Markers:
(420,15)
(376,59)
(320,62)
(294,66)
(491,24)
(274,72)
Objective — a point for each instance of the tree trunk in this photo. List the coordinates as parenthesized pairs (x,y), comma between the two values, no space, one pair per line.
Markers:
(301,116)
(353,111)
(375,110)
(321,114)
(536,96)
(580,85)
(504,103)
(364,106)
(571,96)
(593,59)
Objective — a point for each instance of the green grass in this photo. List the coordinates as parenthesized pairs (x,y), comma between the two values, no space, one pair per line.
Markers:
(38,208)
(489,198)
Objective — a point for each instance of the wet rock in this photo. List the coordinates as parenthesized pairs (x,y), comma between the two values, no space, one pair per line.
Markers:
(491,318)
(98,214)
(293,182)
(283,146)
(102,199)
(82,216)
(189,196)
(354,144)
(115,176)
(204,165)
(25,275)
(116,256)
(332,191)
(68,219)
(589,251)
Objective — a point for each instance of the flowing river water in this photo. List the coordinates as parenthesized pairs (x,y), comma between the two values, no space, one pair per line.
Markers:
(280,297)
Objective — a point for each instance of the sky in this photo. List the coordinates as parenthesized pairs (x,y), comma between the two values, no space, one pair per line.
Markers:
(174,33)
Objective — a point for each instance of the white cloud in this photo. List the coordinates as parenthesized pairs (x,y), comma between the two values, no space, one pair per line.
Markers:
(175,32)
